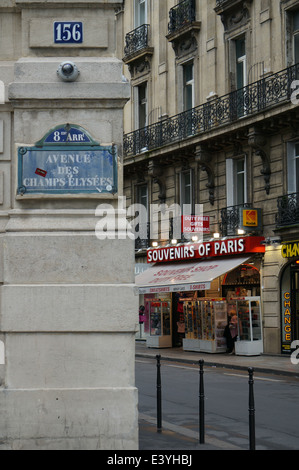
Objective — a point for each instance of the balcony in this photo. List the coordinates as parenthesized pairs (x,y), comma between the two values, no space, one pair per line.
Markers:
(137,43)
(233,13)
(258,97)
(230,219)
(288,210)
(181,15)
(162,232)
(182,27)
(142,242)
(223,5)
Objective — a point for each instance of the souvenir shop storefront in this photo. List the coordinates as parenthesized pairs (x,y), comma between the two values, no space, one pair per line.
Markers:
(192,291)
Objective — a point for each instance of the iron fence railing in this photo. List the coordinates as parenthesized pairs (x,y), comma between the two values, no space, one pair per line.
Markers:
(225,3)
(230,219)
(136,40)
(181,15)
(143,237)
(288,210)
(254,98)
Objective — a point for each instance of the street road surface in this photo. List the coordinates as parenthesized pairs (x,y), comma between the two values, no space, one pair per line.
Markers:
(226,407)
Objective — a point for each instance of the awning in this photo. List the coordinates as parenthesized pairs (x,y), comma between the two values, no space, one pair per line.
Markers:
(176,277)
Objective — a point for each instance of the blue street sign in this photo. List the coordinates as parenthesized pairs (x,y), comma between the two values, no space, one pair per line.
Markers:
(67,170)
(69,134)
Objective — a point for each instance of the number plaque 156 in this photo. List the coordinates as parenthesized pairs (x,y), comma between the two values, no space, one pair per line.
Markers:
(68,32)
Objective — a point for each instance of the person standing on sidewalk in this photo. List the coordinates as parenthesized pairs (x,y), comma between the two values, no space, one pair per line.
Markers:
(233,328)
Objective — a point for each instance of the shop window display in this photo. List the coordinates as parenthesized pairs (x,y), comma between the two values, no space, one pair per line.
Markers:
(160,324)
(205,322)
(248,312)
(243,281)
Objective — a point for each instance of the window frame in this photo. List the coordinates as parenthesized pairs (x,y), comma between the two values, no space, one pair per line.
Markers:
(138,13)
(232,183)
(183,187)
(292,161)
(138,104)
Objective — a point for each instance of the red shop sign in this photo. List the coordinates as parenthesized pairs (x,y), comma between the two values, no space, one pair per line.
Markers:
(214,248)
(195,224)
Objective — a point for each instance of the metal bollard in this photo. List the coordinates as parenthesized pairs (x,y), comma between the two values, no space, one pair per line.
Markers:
(251,411)
(159,395)
(201,404)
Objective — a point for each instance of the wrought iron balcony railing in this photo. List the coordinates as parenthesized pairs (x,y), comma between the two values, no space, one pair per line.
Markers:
(221,2)
(144,239)
(257,97)
(288,210)
(230,219)
(181,15)
(169,230)
(227,3)
(136,40)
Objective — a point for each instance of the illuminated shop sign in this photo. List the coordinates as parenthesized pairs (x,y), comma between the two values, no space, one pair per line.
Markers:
(286,329)
(290,250)
(195,224)
(250,218)
(214,248)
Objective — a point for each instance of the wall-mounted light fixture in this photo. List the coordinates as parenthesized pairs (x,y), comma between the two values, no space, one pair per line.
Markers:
(274,241)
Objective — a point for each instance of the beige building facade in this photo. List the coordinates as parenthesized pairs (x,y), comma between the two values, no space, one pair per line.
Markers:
(67,342)
(213,120)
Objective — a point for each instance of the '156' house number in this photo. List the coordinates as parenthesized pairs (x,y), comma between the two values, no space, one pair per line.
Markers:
(68,32)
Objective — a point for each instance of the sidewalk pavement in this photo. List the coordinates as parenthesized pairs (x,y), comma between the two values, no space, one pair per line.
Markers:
(185,438)
(274,364)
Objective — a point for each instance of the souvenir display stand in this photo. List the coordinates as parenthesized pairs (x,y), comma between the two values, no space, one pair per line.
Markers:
(248,311)
(205,321)
(160,325)
(192,314)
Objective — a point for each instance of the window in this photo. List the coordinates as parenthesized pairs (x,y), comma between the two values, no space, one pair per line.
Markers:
(241,76)
(142,195)
(142,228)
(241,72)
(236,181)
(293,168)
(141,106)
(186,190)
(140,12)
(292,37)
(188,86)
(296,37)
(240,181)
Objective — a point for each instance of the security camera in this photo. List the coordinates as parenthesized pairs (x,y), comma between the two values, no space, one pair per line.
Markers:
(68,71)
